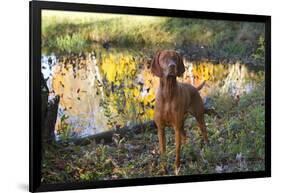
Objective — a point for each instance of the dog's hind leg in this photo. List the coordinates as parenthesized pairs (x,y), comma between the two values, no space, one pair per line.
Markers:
(183,136)
(202,126)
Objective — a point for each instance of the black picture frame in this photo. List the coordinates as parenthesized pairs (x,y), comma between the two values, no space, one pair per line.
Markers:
(35,8)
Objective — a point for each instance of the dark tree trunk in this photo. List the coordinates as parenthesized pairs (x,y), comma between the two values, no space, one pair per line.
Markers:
(107,137)
(49,110)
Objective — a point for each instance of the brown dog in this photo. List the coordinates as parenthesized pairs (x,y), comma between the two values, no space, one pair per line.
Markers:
(175,100)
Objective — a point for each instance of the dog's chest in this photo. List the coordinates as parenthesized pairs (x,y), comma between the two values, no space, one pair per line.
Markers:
(169,112)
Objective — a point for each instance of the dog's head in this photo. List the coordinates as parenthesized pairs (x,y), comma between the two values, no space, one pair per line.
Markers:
(167,63)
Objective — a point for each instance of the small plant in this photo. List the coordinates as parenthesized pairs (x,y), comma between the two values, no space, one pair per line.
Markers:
(88,176)
(259,54)
(71,43)
(64,129)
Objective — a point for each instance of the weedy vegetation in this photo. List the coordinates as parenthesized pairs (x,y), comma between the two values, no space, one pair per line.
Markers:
(236,144)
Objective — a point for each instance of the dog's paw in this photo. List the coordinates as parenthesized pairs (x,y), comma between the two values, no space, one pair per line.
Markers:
(163,169)
(177,170)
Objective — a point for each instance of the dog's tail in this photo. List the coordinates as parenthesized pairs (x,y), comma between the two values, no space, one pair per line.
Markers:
(201,85)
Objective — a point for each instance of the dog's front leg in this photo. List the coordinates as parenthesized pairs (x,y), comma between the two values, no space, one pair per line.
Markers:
(162,146)
(162,139)
(178,148)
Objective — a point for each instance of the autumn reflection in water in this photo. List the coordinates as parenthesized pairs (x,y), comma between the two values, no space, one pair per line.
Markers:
(110,90)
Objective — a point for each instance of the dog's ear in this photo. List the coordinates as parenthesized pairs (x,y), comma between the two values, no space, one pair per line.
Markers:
(180,65)
(155,66)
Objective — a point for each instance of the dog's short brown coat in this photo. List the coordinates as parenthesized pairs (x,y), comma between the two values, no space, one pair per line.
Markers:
(175,100)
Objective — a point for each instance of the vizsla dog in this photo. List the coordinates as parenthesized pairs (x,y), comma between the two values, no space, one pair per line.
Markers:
(175,100)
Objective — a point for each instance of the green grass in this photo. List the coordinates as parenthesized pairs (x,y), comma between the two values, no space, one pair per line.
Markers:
(236,144)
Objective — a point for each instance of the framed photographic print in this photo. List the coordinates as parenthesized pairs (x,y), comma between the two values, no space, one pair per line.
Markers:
(125,96)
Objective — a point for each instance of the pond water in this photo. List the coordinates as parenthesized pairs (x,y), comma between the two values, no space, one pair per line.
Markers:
(107,90)
(77,87)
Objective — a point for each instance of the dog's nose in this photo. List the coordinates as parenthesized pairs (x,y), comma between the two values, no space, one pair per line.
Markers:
(172,65)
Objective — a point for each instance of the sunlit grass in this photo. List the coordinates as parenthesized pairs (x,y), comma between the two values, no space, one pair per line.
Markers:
(65,32)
